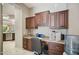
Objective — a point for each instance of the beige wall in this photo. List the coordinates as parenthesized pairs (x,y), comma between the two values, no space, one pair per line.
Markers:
(73,19)
(1,45)
(8,9)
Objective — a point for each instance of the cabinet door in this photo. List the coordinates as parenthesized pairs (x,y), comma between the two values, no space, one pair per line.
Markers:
(53,20)
(29,45)
(38,19)
(30,22)
(25,43)
(55,48)
(27,23)
(45,18)
(42,18)
(35,22)
(63,19)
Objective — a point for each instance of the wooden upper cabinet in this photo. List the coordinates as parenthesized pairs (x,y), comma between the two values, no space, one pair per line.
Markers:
(38,19)
(63,19)
(27,22)
(52,19)
(30,22)
(42,18)
(59,19)
(66,19)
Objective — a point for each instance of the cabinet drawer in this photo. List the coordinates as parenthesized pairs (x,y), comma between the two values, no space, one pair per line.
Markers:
(53,45)
(55,48)
(52,52)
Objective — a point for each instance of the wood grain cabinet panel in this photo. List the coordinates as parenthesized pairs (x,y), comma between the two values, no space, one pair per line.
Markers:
(38,19)
(30,22)
(52,19)
(55,48)
(43,18)
(59,19)
(63,19)
(27,23)
(27,44)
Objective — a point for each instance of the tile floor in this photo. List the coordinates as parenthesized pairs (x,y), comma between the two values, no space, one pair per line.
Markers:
(10,49)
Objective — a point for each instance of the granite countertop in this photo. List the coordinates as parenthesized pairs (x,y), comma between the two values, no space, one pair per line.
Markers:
(61,41)
(28,37)
(45,39)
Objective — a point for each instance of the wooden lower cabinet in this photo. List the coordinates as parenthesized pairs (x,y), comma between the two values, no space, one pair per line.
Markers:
(55,48)
(27,44)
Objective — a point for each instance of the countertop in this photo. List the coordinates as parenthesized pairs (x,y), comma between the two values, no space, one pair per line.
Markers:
(45,39)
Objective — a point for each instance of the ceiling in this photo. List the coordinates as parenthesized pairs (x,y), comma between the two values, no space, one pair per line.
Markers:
(31,5)
(8,9)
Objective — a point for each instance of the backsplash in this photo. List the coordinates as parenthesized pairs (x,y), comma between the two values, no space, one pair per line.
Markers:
(58,34)
(45,30)
(62,31)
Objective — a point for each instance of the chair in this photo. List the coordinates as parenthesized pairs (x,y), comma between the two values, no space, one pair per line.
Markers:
(37,46)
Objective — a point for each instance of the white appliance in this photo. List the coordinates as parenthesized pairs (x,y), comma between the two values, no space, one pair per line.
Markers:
(55,35)
(58,36)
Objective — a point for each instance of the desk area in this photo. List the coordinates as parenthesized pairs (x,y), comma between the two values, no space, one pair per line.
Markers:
(54,47)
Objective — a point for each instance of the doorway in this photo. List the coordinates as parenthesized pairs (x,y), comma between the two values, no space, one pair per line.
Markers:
(8,27)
